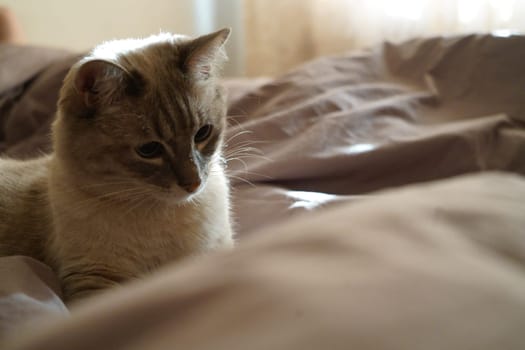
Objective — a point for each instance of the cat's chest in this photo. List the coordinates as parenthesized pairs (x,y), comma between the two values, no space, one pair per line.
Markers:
(173,230)
(138,240)
(133,244)
(143,234)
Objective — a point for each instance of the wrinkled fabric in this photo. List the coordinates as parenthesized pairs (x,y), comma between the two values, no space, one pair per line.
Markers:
(30,79)
(325,258)
(400,114)
(434,266)
(29,290)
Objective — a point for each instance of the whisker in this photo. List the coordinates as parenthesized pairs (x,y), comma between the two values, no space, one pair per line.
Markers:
(240,160)
(267,177)
(97,202)
(247,157)
(142,198)
(251,142)
(245,150)
(241,179)
(244,132)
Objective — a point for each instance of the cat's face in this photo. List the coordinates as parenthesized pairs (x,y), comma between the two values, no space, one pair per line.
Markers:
(150,120)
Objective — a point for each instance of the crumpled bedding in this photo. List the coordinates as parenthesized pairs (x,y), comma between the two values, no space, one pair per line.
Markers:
(378,200)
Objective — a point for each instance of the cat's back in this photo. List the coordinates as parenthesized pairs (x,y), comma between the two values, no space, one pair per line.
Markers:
(21,178)
(23,206)
(23,170)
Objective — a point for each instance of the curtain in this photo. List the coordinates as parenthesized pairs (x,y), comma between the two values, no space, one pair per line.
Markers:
(279,35)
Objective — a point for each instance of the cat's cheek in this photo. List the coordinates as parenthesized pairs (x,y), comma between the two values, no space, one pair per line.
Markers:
(175,195)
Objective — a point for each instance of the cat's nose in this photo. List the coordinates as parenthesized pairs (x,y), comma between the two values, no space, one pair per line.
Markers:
(191,187)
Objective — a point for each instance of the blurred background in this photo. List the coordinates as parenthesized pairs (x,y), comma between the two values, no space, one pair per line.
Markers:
(269,37)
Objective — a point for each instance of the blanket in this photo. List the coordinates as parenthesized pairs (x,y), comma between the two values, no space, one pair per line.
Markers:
(378,201)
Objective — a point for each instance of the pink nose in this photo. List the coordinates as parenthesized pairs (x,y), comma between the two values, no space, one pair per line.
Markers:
(191,187)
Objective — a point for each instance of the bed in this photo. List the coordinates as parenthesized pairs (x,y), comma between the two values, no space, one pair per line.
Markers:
(378,198)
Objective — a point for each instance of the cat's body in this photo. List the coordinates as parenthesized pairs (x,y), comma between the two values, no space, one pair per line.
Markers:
(25,217)
(136,179)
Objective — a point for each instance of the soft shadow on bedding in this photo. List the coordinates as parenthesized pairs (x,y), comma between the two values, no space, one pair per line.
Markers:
(434,265)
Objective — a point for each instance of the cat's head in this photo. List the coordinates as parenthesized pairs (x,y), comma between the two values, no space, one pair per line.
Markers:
(144,114)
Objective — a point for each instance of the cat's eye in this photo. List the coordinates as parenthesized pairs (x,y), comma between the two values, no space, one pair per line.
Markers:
(150,150)
(203,133)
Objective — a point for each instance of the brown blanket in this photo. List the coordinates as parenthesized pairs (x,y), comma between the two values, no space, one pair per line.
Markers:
(323,261)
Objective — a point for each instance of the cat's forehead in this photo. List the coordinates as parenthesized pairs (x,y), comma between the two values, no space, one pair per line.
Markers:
(115,49)
(159,90)
(155,61)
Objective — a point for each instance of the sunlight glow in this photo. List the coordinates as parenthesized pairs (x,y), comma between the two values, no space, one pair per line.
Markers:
(468,10)
(403,9)
(359,148)
(504,33)
(503,9)
(111,50)
(309,200)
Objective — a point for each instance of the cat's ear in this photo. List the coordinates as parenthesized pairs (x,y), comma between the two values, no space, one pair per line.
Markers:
(99,81)
(206,54)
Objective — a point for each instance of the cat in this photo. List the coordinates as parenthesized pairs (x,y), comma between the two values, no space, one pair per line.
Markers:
(136,178)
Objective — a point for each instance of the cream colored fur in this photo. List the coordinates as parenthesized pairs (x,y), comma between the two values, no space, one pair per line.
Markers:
(92,232)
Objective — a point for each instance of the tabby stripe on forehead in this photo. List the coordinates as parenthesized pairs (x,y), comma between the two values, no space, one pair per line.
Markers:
(185,112)
(191,116)
(155,118)
(166,114)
